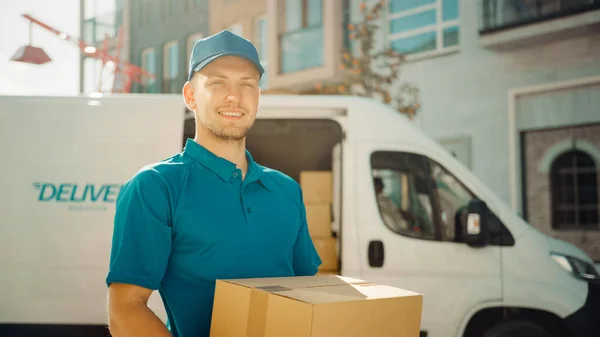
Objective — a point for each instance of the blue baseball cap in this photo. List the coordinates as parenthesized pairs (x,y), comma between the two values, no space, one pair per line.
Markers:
(222,44)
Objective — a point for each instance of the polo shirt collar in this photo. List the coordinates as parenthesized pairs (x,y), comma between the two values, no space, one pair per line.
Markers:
(223,167)
(256,172)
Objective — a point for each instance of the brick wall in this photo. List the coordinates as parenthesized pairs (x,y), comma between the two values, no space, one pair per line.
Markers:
(537,145)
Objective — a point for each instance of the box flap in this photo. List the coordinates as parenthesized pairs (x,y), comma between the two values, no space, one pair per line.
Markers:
(278,284)
(345,293)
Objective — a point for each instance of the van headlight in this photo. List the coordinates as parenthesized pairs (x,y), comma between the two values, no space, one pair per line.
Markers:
(579,268)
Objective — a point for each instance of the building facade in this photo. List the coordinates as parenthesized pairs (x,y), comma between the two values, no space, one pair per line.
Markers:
(157,35)
(162,34)
(512,88)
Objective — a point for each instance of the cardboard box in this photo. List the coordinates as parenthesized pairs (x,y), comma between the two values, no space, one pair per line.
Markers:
(317,186)
(313,306)
(326,247)
(318,217)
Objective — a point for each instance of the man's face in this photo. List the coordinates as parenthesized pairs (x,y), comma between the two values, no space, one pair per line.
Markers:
(225,96)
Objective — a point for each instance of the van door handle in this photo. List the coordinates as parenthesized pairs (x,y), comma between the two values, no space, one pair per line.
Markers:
(376,253)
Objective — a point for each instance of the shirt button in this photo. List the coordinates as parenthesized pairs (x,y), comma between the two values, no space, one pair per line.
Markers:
(235,174)
(249,210)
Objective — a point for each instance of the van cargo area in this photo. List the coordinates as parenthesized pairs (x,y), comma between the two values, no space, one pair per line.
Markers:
(294,145)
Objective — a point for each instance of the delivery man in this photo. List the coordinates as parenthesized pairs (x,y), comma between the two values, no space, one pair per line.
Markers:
(210,212)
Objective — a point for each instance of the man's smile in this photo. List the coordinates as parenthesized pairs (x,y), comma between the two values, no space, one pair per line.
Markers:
(231,113)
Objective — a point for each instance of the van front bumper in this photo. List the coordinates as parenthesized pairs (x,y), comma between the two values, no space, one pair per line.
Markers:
(585,322)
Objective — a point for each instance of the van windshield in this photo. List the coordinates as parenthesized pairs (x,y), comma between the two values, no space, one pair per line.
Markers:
(418,197)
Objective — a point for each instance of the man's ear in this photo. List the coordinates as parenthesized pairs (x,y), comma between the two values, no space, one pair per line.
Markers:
(188,95)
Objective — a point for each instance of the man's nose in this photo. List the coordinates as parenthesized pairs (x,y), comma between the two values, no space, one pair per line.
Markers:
(234,95)
(233,98)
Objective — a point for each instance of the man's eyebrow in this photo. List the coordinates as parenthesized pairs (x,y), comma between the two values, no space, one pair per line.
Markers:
(225,77)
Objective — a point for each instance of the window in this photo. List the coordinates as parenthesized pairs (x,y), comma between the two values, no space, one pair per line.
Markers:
(507,13)
(191,41)
(454,198)
(574,189)
(404,193)
(419,198)
(149,65)
(301,35)
(261,37)
(171,67)
(418,26)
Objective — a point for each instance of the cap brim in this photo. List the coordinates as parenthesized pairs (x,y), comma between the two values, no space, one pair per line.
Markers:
(214,57)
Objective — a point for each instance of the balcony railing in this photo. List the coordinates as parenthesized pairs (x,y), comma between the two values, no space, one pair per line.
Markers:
(504,14)
(302,49)
(97,28)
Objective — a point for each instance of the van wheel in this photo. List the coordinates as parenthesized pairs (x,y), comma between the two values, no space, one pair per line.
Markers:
(516,329)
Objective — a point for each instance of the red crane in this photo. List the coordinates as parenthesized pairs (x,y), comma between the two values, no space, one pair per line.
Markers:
(125,73)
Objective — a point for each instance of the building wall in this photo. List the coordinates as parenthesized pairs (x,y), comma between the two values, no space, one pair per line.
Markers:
(474,101)
(465,92)
(162,21)
(243,12)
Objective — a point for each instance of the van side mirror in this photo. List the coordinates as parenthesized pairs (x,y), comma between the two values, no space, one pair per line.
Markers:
(473,227)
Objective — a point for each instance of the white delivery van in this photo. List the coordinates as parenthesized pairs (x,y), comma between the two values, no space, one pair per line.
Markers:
(482,269)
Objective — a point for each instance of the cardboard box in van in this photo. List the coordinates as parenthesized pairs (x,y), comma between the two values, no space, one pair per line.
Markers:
(318,217)
(327,249)
(313,306)
(317,187)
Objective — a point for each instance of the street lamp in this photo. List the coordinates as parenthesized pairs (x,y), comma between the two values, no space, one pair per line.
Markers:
(29,53)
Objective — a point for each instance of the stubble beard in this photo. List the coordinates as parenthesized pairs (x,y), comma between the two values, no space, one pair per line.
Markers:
(227,133)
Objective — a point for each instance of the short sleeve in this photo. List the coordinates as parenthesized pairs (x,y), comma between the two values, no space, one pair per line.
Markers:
(141,241)
(306,257)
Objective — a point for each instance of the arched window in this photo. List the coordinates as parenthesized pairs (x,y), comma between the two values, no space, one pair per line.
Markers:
(574,188)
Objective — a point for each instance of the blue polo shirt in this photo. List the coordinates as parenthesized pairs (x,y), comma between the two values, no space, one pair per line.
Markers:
(184,222)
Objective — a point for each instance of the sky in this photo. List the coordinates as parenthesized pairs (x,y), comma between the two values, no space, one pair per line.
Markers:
(59,77)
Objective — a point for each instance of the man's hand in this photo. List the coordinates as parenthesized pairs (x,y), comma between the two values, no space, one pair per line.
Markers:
(129,315)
